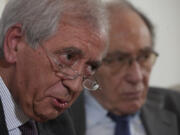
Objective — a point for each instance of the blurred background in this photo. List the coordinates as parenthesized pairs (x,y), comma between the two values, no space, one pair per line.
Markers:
(2,3)
(164,15)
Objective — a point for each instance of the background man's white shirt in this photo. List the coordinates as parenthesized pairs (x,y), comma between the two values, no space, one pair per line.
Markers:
(98,123)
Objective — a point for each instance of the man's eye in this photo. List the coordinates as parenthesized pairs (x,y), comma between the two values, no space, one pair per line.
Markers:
(69,56)
(120,59)
(144,57)
(67,59)
(123,59)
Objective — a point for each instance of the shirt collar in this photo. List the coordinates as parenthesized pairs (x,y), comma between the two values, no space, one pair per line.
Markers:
(14,116)
(95,112)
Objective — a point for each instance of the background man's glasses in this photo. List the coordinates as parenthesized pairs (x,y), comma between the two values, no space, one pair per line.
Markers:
(59,66)
(145,59)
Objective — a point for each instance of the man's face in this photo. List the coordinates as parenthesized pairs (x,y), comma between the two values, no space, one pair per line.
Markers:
(41,90)
(124,86)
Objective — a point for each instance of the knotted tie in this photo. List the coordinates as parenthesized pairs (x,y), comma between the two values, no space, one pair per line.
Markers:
(29,128)
(122,124)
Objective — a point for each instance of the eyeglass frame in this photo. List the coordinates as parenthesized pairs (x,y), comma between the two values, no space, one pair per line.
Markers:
(110,59)
(53,61)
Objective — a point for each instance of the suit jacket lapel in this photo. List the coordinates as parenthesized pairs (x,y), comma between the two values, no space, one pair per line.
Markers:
(159,121)
(62,125)
(79,117)
(3,128)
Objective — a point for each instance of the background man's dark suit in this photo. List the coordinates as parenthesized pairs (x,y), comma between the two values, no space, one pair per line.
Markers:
(160,115)
(62,125)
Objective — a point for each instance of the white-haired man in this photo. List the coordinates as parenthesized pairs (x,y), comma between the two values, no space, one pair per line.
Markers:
(49,50)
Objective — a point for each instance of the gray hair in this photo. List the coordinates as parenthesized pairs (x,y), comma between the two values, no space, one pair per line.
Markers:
(110,5)
(40,18)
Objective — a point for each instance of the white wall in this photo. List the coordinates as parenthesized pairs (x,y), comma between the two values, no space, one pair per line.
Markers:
(2,3)
(164,14)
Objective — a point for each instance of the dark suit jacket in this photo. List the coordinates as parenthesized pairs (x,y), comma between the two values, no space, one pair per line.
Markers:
(60,126)
(160,115)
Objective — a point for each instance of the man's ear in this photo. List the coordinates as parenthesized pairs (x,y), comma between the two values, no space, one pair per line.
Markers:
(11,41)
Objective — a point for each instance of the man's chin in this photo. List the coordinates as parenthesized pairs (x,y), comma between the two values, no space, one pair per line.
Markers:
(135,107)
(131,108)
(46,115)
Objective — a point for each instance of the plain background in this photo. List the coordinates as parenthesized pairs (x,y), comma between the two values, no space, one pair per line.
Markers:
(164,15)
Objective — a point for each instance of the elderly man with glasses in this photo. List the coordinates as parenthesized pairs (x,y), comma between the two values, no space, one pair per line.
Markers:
(124,104)
(49,49)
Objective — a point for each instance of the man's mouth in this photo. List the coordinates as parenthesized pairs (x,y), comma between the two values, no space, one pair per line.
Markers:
(132,95)
(60,104)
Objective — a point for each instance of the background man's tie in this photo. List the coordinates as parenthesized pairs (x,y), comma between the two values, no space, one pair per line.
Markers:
(122,124)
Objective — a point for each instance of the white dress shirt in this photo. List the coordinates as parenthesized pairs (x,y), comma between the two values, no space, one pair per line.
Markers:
(98,123)
(14,117)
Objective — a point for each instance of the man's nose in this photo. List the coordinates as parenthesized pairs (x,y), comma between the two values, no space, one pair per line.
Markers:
(134,73)
(75,84)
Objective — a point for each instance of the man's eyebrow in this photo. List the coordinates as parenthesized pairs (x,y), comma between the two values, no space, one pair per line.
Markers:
(117,53)
(70,50)
(147,49)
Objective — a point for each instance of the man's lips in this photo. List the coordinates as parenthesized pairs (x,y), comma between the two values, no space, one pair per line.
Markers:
(132,95)
(60,104)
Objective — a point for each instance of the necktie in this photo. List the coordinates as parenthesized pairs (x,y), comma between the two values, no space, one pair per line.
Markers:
(29,128)
(122,124)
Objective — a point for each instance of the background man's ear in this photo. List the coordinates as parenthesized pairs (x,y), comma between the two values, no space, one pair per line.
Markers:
(11,41)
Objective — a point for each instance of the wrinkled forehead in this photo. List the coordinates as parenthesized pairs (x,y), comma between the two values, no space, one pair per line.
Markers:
(77,33)
(82,31)
(129,33)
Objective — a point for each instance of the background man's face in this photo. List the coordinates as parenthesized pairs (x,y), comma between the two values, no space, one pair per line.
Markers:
(124,89)
(42,92)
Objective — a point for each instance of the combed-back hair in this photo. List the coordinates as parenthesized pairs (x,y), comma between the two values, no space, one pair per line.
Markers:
(40,18)
(126,4)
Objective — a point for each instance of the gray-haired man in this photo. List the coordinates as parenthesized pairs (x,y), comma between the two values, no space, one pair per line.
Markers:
(48,49)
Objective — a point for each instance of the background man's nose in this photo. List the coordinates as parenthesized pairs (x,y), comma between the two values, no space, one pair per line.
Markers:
(134,73)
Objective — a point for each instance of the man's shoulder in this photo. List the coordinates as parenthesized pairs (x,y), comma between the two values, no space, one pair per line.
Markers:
(166,99)
(163,94)
(162,106)
(62,125)
(3,127)
(160,90)
(77,112)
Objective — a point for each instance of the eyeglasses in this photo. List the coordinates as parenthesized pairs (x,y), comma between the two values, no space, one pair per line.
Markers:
(60,65)
(145,59)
